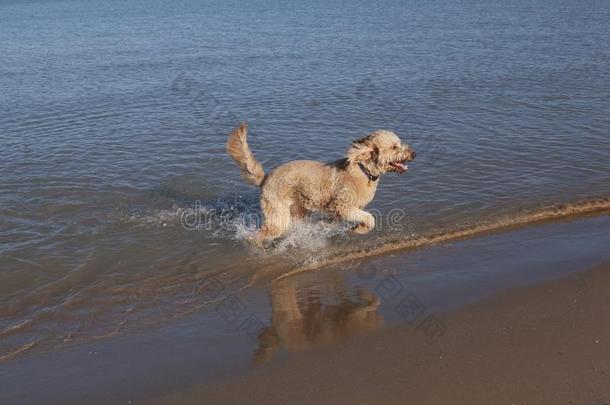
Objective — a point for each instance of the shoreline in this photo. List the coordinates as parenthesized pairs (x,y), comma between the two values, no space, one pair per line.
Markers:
(563,211)
(546,343)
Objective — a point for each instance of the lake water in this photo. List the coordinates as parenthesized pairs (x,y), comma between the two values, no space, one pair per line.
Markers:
(118,201)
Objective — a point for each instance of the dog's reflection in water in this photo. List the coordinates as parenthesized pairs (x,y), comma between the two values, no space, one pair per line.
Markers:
(299,324)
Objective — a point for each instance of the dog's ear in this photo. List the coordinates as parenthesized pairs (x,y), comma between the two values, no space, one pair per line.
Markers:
(361,150)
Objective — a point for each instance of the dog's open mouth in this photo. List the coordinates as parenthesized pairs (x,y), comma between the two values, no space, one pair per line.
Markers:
(400,166)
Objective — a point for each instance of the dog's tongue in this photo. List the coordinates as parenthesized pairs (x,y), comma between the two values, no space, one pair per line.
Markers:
(400,166)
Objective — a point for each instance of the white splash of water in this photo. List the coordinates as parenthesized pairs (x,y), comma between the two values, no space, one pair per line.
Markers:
(309,236)
(240,222)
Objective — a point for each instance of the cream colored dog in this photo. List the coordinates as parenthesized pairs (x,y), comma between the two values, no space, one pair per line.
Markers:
(340,189)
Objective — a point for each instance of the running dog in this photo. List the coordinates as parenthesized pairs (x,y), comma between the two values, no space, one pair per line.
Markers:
(340,189)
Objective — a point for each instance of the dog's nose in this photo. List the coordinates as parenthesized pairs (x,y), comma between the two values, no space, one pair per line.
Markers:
(413,154)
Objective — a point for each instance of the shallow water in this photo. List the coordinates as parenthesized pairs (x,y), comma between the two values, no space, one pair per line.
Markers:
(113,119)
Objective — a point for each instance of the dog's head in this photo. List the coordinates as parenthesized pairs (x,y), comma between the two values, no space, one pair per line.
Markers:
(381,152)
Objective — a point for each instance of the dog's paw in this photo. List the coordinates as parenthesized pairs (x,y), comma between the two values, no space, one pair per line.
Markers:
(256,241)
(361,229)
(259,242)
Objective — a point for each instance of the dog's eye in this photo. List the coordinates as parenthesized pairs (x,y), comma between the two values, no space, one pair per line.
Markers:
(395,147)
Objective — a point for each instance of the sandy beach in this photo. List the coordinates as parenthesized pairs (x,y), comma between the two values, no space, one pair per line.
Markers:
(544,344)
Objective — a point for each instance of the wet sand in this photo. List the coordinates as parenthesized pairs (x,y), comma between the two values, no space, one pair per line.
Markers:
(544,344)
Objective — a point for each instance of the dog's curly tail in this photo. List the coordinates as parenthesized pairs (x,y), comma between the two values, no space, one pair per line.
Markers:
(237,147)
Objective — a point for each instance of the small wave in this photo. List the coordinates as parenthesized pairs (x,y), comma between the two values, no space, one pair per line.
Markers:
(19,350)
(15,328)
(553,212)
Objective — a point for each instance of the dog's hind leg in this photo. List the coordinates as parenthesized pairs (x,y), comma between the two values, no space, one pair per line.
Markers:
(275,223)
(297,211)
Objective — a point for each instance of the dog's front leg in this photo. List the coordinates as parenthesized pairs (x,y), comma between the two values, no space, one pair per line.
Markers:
(366,221)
